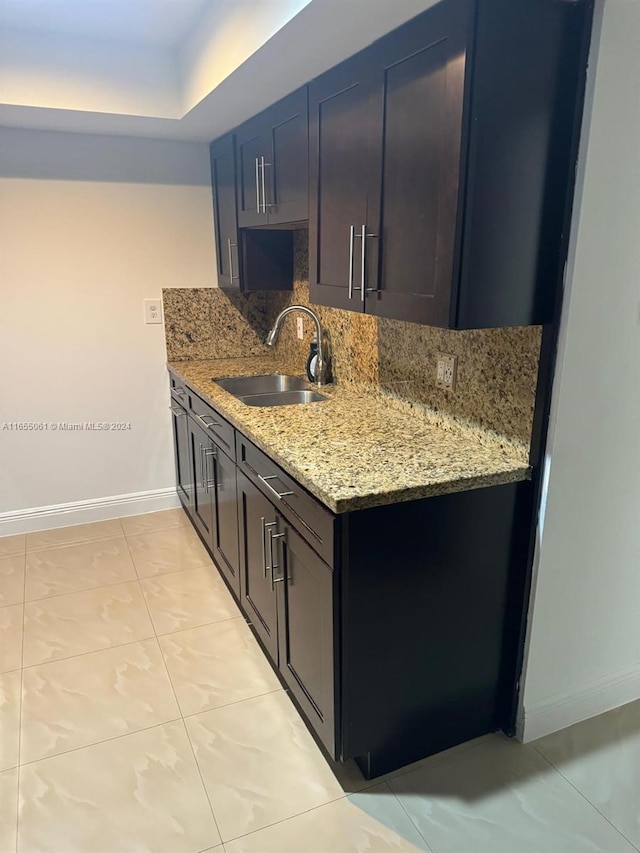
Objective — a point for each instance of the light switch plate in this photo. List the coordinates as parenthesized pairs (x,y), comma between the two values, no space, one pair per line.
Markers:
(152,311)
(447,371)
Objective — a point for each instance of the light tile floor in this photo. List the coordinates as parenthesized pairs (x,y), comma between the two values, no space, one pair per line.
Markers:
(137,713)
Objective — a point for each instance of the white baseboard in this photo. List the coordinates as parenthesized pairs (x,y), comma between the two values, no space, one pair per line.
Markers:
(556,713)
(81,512)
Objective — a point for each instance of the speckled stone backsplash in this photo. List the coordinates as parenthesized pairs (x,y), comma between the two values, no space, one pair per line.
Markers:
(497,368)
(211,323)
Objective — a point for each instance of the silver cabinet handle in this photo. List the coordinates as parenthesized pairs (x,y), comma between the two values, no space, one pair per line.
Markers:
(178,391)
(213,421)
(364,261)
(267,566)
(257,185)
(352,235)
(264,185)
(264,547)
(177,411)
(363,288)
(235,246)
(264,191)
(274,565)
(279,495)
(208,453)
(202,485)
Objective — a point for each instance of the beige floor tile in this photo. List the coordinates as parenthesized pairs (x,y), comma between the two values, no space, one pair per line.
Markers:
(259,763)
(10,545)
(373,822)
(215,665)
(601,758)
(11,637)
(89,698)
(81,622)
(171,550)
(74,535)
(501,796)
(8,810)
(9,719)
(12,579)
(134,524)
(73,568)
(188,599)
(140,792)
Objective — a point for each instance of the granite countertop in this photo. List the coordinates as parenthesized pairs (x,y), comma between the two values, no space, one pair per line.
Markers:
(360,448)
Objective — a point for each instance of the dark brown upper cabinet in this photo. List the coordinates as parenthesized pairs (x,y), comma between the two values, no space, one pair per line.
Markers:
(442,165)
(273,164)
(246,260)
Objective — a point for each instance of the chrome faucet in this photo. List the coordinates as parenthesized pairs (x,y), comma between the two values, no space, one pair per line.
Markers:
(322,365)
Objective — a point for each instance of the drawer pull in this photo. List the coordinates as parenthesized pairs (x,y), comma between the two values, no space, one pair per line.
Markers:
(212,421)
(279,495)
(177,411)
(178,391)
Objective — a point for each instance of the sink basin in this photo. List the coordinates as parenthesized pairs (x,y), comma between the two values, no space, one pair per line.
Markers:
(241,386)
(282,398)
(270,389)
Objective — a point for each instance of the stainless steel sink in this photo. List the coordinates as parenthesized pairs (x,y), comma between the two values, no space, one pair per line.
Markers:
(271,389)
(241,386)
(282,398)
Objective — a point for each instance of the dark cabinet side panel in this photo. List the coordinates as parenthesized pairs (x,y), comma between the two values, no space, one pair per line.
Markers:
(184,479)
(223,179)
(225,518)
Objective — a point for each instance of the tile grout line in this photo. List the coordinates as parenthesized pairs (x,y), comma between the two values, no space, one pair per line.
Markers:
(175,696)
(430,846)
(584,796)
(20,703)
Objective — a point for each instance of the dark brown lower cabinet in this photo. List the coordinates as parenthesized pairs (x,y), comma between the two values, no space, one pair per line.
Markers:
(395,629)
(201,449)
(287,593)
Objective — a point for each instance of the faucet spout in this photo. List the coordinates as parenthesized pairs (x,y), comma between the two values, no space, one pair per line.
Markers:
(322,372)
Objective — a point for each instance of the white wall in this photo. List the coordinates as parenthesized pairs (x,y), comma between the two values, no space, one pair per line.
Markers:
(584,633)
(89,226)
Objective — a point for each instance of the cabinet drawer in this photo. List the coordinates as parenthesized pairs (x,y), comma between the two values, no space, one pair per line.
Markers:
(179,391)
(219,429)
(315,523)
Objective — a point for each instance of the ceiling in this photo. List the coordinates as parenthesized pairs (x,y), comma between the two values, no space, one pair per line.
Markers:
(172,69)
(156,22)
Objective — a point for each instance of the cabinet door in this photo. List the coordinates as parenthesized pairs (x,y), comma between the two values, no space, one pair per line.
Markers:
(305,607)
(252,145)
(287,170)
(256,515)
(225,517)
(223,180)
(344,117)
(421,71)
(184,481)
(201,449)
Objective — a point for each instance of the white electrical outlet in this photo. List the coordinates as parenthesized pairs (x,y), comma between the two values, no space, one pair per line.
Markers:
(447,371)
(300,327)
(152,311)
